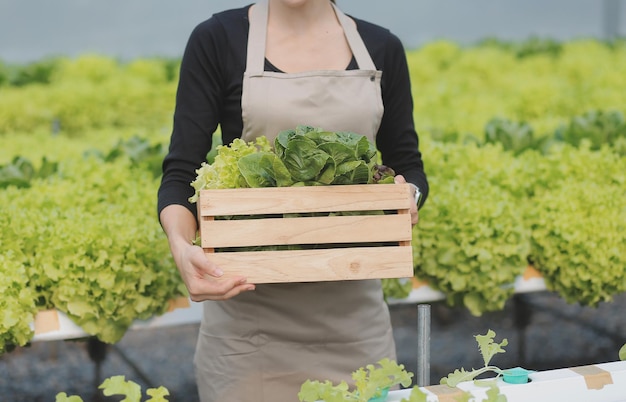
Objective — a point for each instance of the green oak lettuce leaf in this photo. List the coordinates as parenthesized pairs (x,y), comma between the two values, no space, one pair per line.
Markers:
(472,243)
(577,239)
(17,306)
(369,382)
(63,397)
(224,171)
(312,391)
(117,385)
(157,394)
(105,263)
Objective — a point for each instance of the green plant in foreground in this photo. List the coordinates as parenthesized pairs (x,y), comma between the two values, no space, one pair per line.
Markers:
(369,382)
(118,385)
(488,348)
(304,156)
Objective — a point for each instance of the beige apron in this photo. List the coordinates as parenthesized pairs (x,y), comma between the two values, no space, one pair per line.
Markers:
(262,345)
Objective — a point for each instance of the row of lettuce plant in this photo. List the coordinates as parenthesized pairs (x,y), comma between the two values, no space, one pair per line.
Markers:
(86,241)
(492,213)
(457,88)
(91,92)
(508,196)
(597,127)
(82,236)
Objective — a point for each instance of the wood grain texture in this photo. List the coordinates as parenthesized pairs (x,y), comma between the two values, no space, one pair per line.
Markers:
(361,246)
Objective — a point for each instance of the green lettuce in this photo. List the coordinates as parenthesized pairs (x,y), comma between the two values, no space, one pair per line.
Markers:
(304,156)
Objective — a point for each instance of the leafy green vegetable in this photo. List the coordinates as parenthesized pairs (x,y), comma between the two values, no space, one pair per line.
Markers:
(599,128)
(302,156)
(304,160)
(225,171)
(63,397)
(313,155)
(264,169)
(622,353)
(578,226)
(119,386)
(17,304)
(488,348)
(20,172)
(569,89)
(140,151)
(78,249)
(472,241)
(397,288)
(369,381)
(514,137)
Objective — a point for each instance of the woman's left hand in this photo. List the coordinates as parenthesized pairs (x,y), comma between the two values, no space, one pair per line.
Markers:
(399,179)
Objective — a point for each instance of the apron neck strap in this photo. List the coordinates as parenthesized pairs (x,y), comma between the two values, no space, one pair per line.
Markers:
(257,36)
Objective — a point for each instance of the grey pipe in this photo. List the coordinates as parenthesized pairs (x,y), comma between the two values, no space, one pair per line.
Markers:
(423,345)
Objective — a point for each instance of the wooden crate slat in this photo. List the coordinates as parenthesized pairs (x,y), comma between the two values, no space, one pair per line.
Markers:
(309,230)
(250,201)
(317,265)
(263,224)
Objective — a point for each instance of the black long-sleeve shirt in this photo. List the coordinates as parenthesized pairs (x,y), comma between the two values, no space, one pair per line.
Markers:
(209,95)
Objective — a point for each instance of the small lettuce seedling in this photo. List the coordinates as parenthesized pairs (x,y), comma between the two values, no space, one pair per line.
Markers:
(488,348)
(117,385)
(369,382)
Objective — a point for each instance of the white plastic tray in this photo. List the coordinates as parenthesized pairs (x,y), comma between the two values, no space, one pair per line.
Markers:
(52,325)
(553,385)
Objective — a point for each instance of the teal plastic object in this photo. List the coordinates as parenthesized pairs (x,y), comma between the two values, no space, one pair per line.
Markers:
(516,375)
(382,397)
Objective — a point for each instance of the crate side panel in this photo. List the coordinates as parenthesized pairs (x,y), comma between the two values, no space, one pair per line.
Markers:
(253,201)
(317,265)
(310,230)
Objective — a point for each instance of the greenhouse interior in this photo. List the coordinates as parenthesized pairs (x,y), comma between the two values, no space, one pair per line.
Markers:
(517,261)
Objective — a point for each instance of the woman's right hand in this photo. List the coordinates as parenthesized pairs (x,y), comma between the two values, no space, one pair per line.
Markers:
(202,277)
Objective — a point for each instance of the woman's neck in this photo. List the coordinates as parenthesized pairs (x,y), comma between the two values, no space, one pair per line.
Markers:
(305,35)
(302,17)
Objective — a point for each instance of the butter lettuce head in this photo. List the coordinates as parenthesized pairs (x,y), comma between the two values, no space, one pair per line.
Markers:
(315,156)
(264,169)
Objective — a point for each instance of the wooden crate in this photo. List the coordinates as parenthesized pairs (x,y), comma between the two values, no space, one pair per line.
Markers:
(346,247)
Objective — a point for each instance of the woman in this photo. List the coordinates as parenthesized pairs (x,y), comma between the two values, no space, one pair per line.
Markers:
(255,71)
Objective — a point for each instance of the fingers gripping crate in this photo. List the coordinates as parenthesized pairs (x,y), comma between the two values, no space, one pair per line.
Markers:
(238,225)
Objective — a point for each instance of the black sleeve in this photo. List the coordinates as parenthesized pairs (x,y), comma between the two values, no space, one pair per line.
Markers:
(196,115)
(397,139)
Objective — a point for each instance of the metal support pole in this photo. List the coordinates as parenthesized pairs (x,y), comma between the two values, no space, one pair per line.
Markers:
(611,18)
(522,317)
(423,345)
